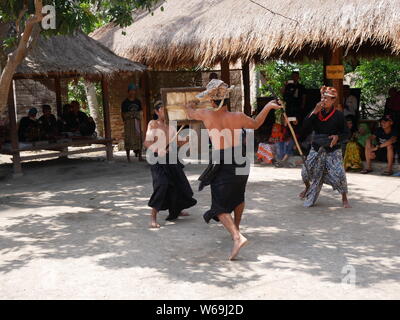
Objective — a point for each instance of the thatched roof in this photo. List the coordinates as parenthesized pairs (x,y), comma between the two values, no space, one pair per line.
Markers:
(77,54)
(201,32)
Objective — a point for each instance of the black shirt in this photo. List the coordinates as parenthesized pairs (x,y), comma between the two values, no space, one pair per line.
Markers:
(26,125)
(75,120)
(48,124)
(335,125)
(129,105)
(383,137)
(293,96)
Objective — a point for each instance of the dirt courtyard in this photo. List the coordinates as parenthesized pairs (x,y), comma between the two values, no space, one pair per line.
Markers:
(77,229)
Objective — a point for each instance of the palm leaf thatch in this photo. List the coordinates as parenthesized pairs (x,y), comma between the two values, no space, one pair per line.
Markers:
(202,32)
(76,54)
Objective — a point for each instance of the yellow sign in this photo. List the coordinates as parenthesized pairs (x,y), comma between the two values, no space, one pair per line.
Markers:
(335,72)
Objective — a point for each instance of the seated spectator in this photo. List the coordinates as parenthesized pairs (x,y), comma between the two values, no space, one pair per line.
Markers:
(285,148)
(48,124)
(62,121)
(28,130)
(78,122)
(352,150)
(380,146)
(392,106)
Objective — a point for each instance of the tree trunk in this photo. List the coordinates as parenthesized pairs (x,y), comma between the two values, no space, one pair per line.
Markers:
(29,36)
(93,105)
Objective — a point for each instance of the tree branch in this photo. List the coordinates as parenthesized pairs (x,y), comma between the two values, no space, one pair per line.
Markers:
(20,16)
(273,12)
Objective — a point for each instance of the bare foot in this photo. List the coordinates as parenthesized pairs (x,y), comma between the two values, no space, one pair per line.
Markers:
(346,204)
(154,225)
(302,194)
(237,245)
(184,214)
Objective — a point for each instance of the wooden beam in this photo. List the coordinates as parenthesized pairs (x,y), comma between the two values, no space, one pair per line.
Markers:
(335,57)
(246,87)
(144,84)
(225,75)
(57,86)
(106,116)
(12,115)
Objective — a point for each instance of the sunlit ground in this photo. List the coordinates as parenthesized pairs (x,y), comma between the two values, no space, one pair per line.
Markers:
(78,229)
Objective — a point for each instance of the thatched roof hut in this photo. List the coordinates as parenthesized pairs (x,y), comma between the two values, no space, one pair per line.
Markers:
(202,32)
(77,54)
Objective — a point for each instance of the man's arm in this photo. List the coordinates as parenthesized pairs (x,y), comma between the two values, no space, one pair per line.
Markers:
(150,138)
(195,114)
(250,123)
(392,140)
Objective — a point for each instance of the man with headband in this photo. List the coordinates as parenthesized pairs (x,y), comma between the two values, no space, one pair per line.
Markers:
(171,189)
(324,163)
(228,185)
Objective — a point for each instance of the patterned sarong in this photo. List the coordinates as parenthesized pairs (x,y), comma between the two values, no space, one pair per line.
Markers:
(265,153)
(323,167)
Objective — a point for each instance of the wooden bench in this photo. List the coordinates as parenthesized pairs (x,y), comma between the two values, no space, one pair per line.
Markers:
(60,149)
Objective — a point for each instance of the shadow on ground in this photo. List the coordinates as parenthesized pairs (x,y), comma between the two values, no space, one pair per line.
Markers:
(103,214)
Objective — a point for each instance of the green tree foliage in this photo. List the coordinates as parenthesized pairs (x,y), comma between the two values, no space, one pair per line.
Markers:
(278,72)
(374,78)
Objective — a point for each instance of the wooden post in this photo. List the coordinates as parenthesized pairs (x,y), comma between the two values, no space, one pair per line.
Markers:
(144,83)
(106,116)
(12,116)
(335,57)
(57,86)
(225,75)
(246,87)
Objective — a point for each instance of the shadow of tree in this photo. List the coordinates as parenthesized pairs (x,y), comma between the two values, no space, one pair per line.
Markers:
(105,217)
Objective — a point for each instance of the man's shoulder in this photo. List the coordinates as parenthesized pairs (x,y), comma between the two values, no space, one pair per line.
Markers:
(153,124)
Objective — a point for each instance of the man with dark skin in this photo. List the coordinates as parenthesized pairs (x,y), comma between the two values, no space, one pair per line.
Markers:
(225,131)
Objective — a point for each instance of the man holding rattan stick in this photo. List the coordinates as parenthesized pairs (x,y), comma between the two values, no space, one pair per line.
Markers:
(228,184)
(324,163)
(171,189)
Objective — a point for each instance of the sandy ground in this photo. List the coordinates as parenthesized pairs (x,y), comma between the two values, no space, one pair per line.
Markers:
(77,229)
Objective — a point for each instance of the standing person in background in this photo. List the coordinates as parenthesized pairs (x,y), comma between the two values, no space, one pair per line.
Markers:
(295,97)
(131,111)
(350,103)
(392,106)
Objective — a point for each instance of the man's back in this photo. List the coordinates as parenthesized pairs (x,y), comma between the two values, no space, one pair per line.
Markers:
(224,128)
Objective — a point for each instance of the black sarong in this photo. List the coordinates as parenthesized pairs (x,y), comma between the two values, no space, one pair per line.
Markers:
(171,189)
(227,188)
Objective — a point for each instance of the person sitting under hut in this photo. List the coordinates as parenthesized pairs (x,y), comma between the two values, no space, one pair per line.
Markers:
(380,146)
(28,130)
(78,122)
(48,124)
